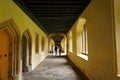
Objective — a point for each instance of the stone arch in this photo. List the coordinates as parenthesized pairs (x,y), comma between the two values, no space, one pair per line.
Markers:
(63,35)
(10,28)
(70,43)
(80,25)
(79,29)
(26,51)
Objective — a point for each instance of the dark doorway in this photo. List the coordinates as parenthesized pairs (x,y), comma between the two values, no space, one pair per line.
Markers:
(26,52)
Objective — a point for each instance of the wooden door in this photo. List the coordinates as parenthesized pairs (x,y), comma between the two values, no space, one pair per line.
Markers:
(4,55)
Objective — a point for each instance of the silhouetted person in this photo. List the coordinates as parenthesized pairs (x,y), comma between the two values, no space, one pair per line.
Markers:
(56,50)
(60,51)
(52,49)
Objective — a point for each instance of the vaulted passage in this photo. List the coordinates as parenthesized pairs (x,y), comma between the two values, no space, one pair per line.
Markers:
(55,68)
(59,39)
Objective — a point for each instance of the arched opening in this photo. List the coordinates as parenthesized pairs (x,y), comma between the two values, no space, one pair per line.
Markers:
(82,39)
(61,44)
(9,51)
(70,44)
(26,52)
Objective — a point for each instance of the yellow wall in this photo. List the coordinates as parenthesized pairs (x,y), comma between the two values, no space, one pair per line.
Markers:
(9,10)
(101,64)
(70,42)
(51,43)
(117,30)
(63,44)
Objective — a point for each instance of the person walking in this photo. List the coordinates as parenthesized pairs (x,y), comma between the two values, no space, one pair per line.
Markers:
(56,50)
(60,50)
(52,49)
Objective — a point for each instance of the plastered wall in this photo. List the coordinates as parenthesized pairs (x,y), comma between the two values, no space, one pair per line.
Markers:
(101,64)
(63,45)
(9,10)
(51,43)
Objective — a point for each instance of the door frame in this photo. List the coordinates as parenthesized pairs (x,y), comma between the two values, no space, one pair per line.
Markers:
(10,28)
(28,56)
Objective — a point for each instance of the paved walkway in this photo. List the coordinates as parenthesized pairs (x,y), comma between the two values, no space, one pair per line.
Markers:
(55,68)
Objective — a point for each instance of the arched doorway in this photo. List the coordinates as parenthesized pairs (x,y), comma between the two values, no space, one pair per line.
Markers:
(9,45)
(26,51)
(4,54)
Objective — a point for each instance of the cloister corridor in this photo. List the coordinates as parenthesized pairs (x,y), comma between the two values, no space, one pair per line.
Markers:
(55,67)
(85,32)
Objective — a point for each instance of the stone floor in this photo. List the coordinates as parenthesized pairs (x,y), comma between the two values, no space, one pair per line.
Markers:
(55,68)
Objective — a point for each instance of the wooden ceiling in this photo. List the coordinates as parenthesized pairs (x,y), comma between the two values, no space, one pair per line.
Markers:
(53,16)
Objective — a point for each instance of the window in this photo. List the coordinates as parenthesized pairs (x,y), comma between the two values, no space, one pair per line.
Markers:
(82,40)
(117,40)
(117,34)
(36,42)
(70,42)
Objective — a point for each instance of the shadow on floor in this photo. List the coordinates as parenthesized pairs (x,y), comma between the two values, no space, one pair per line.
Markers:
(79,73)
